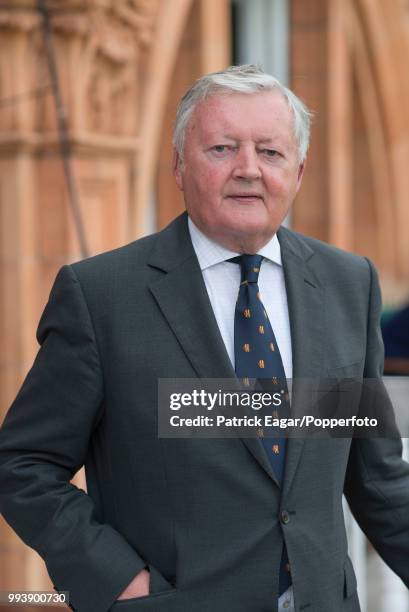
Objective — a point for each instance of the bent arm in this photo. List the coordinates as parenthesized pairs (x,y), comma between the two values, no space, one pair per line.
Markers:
(377,479)
(44,441)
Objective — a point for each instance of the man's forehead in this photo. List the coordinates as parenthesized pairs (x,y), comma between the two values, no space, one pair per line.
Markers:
(263,113)
(228,99)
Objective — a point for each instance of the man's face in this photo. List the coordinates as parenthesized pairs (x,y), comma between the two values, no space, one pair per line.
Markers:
(241,169)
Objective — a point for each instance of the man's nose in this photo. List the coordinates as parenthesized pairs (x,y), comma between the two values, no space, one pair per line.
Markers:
(247,164)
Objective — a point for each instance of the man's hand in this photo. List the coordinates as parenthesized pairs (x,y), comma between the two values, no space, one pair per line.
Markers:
(139,587)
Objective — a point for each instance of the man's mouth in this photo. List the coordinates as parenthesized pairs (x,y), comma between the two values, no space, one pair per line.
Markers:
(245,197)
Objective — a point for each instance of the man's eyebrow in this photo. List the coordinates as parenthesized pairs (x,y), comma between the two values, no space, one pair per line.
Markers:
(229,137)
(218,137)
(269,139)
(263,140)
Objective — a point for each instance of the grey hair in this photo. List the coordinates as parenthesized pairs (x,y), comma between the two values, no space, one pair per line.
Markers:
(248,78)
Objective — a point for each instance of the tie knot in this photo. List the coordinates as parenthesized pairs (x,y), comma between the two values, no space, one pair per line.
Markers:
(250,267)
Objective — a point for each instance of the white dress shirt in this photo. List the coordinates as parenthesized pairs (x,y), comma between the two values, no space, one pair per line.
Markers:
(222,280)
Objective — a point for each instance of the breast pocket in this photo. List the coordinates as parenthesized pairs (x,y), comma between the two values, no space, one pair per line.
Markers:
(339,397)
(353,369)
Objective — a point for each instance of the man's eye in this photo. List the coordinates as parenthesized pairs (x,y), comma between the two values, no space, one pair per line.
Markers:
(220,148)
(270,152)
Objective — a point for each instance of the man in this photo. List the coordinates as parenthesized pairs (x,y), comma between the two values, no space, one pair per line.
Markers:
(196,524)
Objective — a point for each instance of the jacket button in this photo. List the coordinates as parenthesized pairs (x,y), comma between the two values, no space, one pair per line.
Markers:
(284,517)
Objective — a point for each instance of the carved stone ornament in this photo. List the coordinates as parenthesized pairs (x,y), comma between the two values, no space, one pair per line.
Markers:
(97,45)
(23,20)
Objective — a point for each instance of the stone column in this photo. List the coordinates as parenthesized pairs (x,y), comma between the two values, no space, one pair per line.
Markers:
(348,62)
(99,49)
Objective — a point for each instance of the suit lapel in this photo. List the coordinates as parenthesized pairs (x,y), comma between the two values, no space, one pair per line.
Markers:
(305,295)
(182,297)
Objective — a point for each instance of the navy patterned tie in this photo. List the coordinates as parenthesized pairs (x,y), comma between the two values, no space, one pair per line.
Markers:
(258,363)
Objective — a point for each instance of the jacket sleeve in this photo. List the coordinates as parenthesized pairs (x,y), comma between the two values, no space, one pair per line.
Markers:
(377,479)
(44,441)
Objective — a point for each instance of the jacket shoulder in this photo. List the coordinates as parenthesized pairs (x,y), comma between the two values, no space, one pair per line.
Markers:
(171,243)
(325,257)
(134,254)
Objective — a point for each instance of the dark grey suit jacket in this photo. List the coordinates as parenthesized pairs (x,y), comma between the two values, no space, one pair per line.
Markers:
(204,515)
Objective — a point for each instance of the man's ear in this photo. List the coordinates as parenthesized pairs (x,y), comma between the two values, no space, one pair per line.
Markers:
(177,169)
(301,169)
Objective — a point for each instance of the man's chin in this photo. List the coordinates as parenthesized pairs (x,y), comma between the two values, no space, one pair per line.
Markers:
(247,238)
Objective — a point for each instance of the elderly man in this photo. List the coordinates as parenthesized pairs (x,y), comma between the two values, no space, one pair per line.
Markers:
(240,524)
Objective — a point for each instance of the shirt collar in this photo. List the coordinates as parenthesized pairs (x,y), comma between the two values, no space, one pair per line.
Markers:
(210,253)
